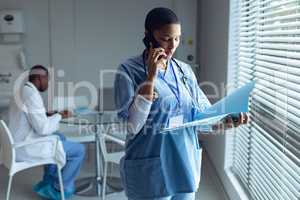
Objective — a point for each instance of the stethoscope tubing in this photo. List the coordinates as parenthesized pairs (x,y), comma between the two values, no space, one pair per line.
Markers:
(183,78)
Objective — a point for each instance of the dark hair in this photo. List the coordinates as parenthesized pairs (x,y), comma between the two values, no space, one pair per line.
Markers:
(157,18)
(33,73)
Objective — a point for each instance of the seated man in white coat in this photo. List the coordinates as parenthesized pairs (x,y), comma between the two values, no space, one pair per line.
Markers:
(28,120)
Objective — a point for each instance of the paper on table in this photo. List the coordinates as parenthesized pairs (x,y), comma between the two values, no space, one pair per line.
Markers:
(235,102)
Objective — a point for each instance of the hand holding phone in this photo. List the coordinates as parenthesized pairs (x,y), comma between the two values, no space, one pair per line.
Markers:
(155,55)
(150,41)
(155,60)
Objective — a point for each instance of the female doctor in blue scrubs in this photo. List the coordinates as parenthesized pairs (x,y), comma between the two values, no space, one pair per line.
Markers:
(154,91)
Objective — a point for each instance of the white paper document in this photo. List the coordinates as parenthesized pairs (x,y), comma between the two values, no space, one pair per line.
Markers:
(235,102)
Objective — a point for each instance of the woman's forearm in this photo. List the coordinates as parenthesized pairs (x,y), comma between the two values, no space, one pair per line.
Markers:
(138,114)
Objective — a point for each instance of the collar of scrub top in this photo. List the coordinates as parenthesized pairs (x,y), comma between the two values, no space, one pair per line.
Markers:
(176,91)
(184,78)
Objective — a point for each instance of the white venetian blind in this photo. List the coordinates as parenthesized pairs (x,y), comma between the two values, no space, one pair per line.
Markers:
(265,45)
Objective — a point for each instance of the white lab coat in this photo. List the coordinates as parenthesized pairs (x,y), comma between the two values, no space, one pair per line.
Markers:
(28,120)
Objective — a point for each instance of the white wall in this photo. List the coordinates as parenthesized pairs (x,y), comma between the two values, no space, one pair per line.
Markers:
(213,50)
(91,35)
(35,11)
(36,39)
(186,11)
(81,38)
(94,35)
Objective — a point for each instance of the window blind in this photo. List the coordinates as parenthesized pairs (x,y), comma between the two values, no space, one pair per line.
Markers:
(265,46)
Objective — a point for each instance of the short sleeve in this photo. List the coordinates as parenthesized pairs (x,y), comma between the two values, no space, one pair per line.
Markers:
(199,96)
(201,101)
(124,92)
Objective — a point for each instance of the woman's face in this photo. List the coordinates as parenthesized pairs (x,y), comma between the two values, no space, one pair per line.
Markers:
(168,37)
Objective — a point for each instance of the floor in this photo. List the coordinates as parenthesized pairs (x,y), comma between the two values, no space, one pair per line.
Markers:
(23,182)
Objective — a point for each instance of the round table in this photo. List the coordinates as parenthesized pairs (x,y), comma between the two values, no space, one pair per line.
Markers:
(96,123)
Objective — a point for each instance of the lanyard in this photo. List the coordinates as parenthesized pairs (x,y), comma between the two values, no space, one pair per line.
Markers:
(183,79)
(175,92)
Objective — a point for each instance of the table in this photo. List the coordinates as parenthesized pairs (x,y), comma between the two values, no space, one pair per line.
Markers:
(97,122)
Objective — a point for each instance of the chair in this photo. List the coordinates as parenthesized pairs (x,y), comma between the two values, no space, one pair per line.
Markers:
(9,156)
(106,104)
(113,157)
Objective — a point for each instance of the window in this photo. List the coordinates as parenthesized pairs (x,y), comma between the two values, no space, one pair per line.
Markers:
(265,46)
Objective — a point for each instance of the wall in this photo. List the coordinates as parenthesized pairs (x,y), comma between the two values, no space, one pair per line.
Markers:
(36,40)
(213,30)
(98,35)
(35,12)
(186,11)
(80,38)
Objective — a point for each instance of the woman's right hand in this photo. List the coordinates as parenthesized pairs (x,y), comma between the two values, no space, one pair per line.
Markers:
(154,60)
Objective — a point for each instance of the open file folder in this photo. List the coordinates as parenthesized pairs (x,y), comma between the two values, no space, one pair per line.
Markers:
(235,102)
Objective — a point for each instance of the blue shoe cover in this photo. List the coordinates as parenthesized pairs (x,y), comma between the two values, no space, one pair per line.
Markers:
(49,192)
(36,188)
(69,194)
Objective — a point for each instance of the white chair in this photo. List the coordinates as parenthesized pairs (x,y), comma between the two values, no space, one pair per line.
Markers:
(9,156)
(113,157)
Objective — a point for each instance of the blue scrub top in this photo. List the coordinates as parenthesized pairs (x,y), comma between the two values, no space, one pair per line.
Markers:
(161,164)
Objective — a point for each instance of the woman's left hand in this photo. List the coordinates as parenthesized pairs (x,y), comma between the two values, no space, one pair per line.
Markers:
(232,121)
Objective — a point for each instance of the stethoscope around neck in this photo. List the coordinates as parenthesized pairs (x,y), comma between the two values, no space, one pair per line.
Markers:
(183,78)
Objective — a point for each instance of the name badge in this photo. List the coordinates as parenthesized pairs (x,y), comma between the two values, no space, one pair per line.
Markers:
(176,121)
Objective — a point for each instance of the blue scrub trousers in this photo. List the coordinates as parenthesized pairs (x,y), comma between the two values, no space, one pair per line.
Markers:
(75,153)
(180,196)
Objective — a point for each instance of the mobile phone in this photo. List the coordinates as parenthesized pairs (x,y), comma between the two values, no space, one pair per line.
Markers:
(153,41)
(155,44)
(150,39)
